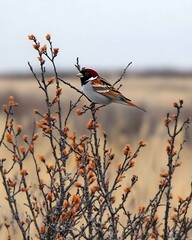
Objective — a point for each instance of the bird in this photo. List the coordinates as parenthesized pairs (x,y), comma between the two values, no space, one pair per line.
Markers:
(98,90)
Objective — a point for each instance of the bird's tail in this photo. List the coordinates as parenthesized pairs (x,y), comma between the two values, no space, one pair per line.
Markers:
(130,103)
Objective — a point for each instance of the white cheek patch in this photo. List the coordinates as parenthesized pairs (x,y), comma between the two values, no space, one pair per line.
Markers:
(92,78)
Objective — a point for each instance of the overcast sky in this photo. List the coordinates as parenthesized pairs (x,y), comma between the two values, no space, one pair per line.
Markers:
(102,33)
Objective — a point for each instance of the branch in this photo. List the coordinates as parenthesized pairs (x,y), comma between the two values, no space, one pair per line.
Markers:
(122,75)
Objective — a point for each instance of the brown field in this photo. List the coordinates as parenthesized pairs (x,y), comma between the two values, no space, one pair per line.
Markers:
(123,125)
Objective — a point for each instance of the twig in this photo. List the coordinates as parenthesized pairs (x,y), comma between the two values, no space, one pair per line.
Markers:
(122,75)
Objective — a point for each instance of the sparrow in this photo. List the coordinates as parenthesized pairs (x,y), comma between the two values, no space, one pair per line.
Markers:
(99,90)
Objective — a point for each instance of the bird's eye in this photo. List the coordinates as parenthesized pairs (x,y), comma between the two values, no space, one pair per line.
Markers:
(86,74)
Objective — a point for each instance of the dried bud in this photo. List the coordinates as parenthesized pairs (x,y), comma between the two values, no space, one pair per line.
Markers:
(90,124)
(175,104)
(79,112)
(36,111)
(111,156)
(168,148)
(11,103)
(134,178)
(119,166)
(76,199)
(49,196)
(42,158)
(141,208)
(127,189)
(4,107)
(55,51)
(167,121)
(22,149)
(9,137)
(126,149)
(180,199)
(58,91)
(25,138)
(35,136)
(142,143)
(19,129)
(51,80)
(36,46)
(77,185)
(23,172)
(48,37)
(43,49)
(120,178)
(32,37)
(181,102)
(80,171)
(164,175)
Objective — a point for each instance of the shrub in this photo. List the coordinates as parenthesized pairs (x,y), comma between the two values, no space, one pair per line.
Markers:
(69,194)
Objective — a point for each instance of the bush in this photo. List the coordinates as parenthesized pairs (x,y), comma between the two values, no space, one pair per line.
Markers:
(69,195)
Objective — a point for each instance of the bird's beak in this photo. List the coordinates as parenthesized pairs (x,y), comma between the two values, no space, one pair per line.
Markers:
(80,75)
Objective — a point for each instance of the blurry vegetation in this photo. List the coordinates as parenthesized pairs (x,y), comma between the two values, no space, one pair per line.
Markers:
(65,177)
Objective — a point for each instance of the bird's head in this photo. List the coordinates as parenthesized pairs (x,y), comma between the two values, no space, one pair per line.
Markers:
(86,74)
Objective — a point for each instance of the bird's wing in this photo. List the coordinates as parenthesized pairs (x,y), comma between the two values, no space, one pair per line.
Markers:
(103,87)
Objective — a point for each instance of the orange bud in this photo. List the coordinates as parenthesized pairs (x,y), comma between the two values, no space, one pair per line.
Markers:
(167,121)
(49,196)
(4,107)
(91,180)
(112,199)
(55,51)
(131,163)
(119,166)
(76,199)
(42,230)
(19,129)
(142,143)
(77,185)
(48,37)
(120,178)
(180,199)
(23,172)
(9,137)
(127,189)
(13,184)
(65,204)
(22,149)
(51,80)
(43,49)
(25,137)
(35,136)
(127,149)
(36,45)
(141,208)
(58,91)
(79,112)
(55,100)
(90,124)
(80,172)
(11,103)
(42,158)
(32,37)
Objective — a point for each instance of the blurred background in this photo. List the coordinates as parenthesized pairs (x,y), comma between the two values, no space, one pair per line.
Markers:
(106,35)
(103,34)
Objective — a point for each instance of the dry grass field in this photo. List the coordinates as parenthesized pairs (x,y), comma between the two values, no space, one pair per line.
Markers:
(122,124)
